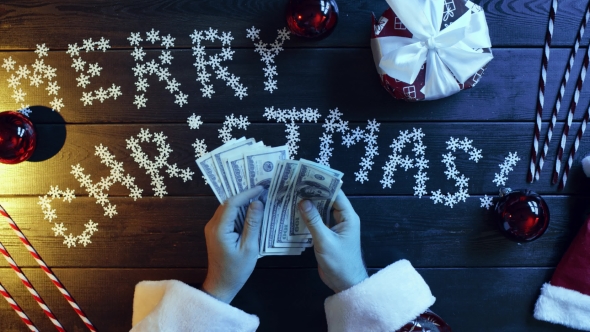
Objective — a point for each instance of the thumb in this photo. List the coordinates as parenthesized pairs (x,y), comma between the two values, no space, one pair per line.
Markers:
(313,220)
(251,233)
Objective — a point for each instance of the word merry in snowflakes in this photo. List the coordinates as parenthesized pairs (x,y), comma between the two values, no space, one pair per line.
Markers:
(154,67)
(94,69)
(41,72)
(418,161)
(461,181)
(506,167)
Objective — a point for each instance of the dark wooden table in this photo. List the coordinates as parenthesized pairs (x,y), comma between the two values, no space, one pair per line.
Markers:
(482,281)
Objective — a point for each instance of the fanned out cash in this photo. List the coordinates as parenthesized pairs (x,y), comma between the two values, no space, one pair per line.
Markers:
(244,163)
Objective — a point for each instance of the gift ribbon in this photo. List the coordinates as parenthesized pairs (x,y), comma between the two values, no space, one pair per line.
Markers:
(454,53)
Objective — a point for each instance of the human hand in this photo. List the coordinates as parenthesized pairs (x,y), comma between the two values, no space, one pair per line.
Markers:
(232,256)
(337,249)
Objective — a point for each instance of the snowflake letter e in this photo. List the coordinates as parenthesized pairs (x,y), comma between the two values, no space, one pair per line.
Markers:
(100,94)
(153,167)
(289,117)
(156,67)
(452,173)
(202,61)
(267,54)
(59,229)
(396,159)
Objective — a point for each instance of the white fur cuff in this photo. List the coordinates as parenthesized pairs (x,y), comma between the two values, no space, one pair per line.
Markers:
(563,306)
(171,305)
(384,302)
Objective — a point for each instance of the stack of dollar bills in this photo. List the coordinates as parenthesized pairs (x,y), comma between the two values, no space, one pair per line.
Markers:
(241,164)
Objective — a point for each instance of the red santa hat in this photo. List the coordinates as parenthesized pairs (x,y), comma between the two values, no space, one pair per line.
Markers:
(566,298)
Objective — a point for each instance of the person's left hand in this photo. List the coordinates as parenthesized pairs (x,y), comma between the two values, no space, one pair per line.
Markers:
(232,256)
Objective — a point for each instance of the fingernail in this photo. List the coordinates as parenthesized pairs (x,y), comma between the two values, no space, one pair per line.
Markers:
(305,206)
(256,206)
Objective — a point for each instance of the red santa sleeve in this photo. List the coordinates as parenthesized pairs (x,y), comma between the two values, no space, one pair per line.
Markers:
(386,301)
(565,299)
(174,306)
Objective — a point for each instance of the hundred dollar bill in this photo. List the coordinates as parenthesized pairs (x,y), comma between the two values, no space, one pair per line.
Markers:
(207,167)
(261,167)
(235,169)
(279,195)
(313,183)
(224,150)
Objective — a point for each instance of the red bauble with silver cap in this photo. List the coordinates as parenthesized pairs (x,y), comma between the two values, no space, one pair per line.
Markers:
(522,215)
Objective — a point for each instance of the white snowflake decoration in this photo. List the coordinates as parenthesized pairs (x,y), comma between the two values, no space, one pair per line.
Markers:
(42,73)
(333,124)
(94,69)
(486,202)
(214,61)
(396,159)
(154,67)
(267,54)
(59,229)
(153,167)
(289,118)
(194,121)
(200,148)
(229,124)
(506,167)
(462,182)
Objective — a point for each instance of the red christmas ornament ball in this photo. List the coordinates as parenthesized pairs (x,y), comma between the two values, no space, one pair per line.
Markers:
(312,18)
(17,138)
(522,215)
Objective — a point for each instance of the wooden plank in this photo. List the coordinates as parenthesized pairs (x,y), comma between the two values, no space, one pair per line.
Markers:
(168,233)
(512,23)
(343,78)
(490,299)
(496,140)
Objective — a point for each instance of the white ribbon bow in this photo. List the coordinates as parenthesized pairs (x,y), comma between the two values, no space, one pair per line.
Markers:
(452,54)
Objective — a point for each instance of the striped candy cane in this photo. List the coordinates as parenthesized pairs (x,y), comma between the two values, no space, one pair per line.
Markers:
(46,269)
(17,309)
(30,288)
(541,99)
(570,116)
(564,81)
(570,159)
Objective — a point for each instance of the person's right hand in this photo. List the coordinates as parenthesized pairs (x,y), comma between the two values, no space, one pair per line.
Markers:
(337,249)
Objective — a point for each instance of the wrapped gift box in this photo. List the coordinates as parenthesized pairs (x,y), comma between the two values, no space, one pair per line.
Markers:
(430,49)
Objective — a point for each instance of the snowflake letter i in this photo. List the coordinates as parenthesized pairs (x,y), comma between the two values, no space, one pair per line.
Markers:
(452,173)
(93,70)
(267,54)
(406,162)
(215,62)
(152,67)
(152,167)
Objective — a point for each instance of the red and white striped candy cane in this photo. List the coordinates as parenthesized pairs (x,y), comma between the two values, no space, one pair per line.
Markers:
(570,117)
(570,159)
(17,309)
(541,98)
(564,81)
(30,288)
(46,269)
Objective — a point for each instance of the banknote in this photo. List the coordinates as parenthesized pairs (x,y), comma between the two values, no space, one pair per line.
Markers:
(243,163)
